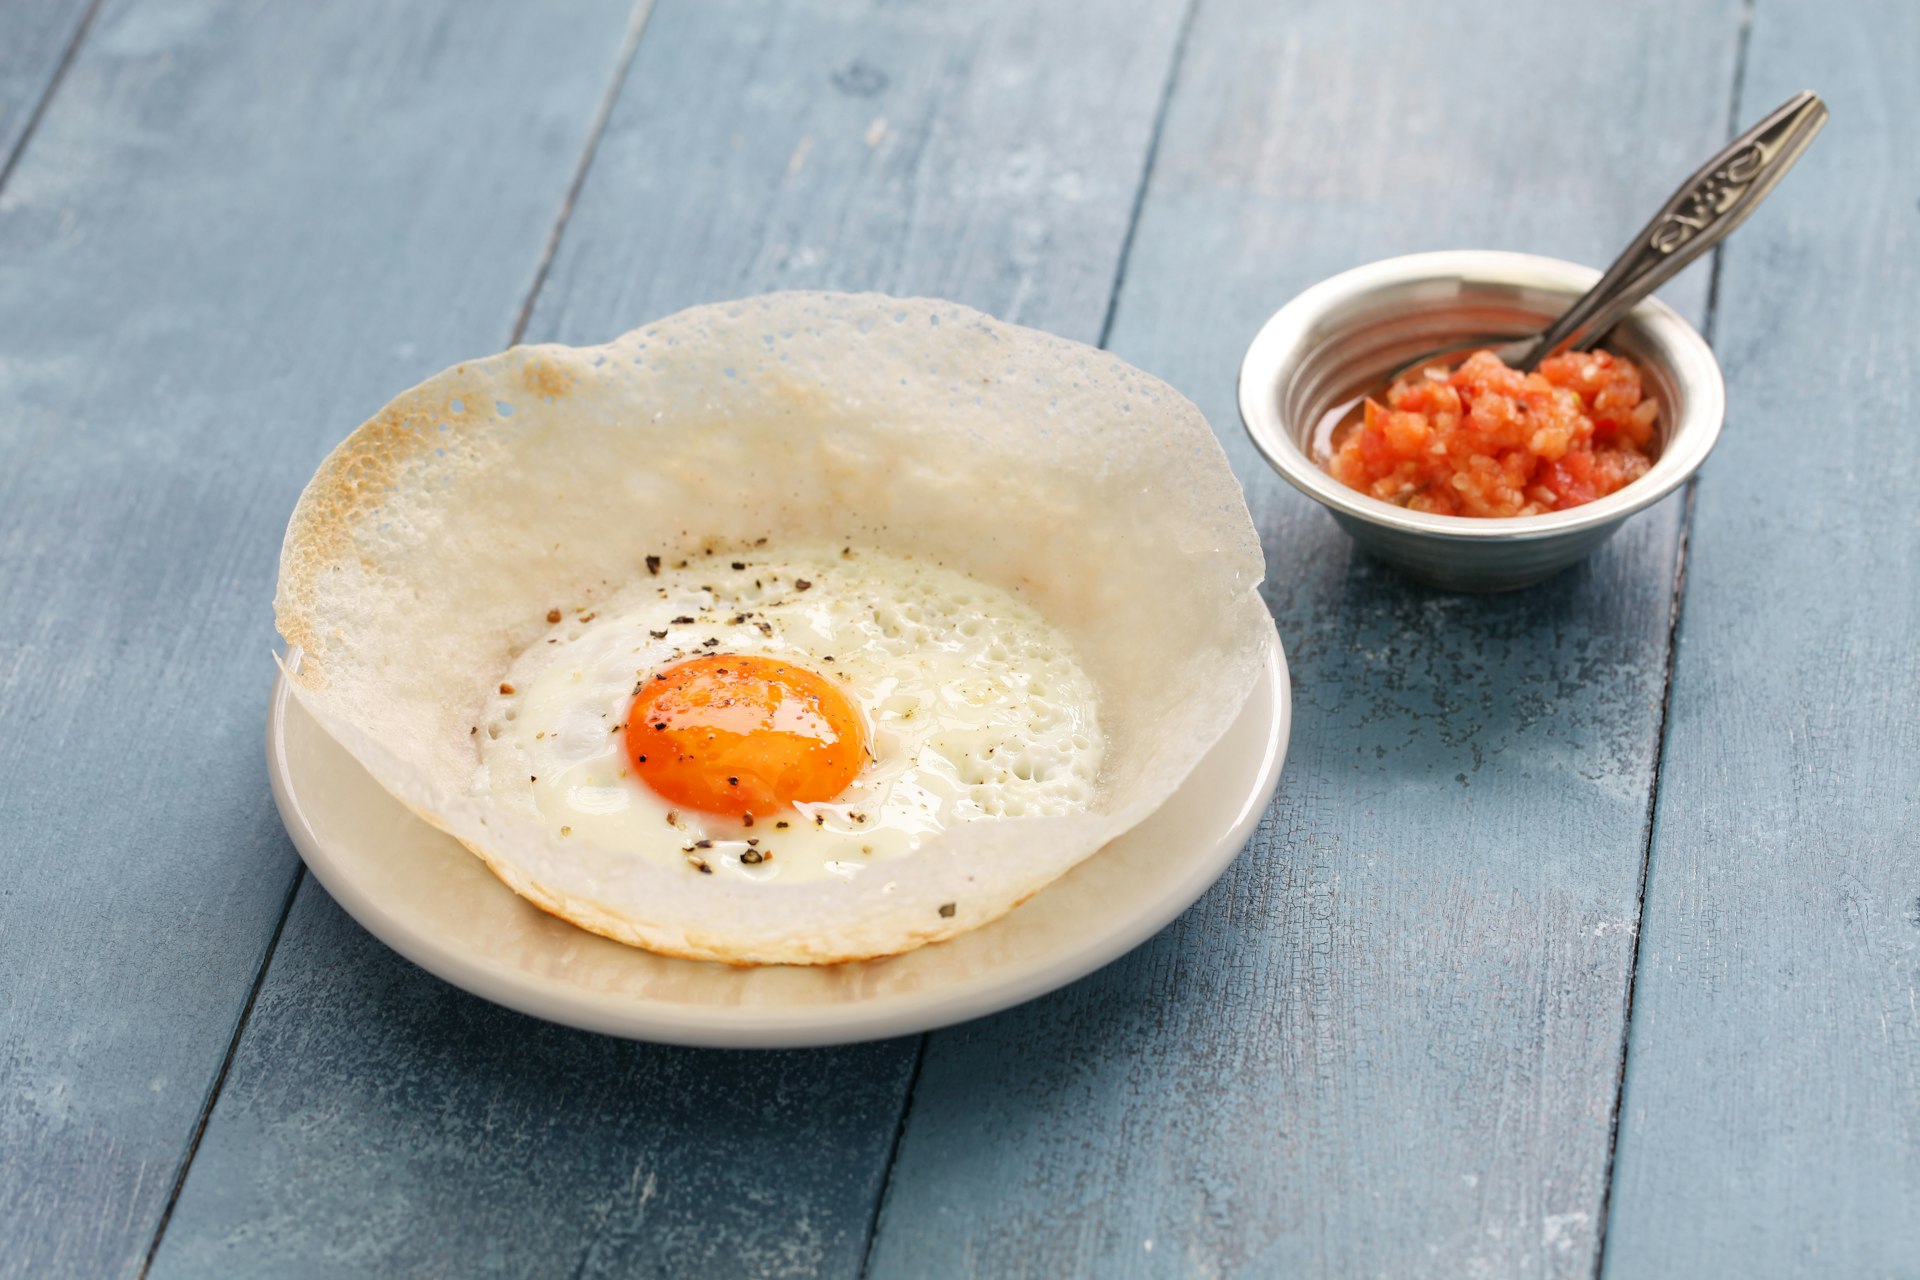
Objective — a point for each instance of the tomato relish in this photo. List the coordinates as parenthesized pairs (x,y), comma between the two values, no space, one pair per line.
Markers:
(1488,440)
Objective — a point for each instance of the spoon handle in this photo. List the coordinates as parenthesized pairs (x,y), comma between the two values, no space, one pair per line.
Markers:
(1708,206)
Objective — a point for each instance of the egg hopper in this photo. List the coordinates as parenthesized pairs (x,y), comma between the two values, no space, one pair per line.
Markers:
(430,545)
(417,890)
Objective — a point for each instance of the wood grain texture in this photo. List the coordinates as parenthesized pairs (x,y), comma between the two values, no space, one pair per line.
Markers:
(380,1122)
(35,36)
(375,1120)
(1388,1042)
(985,153)
(236,230)
(1771,1121)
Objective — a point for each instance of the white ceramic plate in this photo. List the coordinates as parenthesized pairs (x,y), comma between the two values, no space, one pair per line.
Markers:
(416,889)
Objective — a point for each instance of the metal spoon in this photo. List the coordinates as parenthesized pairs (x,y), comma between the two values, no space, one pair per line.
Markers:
(1707,206)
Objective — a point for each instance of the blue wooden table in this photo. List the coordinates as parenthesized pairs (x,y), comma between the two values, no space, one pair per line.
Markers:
(1582,937)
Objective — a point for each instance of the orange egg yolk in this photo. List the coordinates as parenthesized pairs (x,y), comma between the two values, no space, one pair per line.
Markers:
(736,735)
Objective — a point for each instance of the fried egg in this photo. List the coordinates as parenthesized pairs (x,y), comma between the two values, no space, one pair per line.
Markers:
(1031,521)
(791,717)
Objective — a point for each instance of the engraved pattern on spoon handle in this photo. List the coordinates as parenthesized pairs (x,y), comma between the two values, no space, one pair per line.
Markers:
(1708,205)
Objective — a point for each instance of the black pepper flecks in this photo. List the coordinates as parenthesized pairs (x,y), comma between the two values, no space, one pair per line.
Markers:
(682,621)
(653,565)
(946,910)
(738,565)
(751,857)
(801,584)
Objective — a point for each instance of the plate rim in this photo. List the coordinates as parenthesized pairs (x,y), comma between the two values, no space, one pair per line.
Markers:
(726,1026)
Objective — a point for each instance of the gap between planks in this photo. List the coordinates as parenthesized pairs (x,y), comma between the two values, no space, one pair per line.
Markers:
(893,1153)
(12,159)
(1147,168)
(1174,64)
(220,1076)
(630,43)
(1742,39)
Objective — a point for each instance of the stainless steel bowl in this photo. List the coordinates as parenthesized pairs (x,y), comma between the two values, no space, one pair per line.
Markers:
(1344,335)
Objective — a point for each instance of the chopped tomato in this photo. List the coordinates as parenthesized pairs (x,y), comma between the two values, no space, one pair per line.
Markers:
(1487,440)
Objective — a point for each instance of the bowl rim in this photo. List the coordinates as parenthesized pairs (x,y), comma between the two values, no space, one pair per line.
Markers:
(1688,442)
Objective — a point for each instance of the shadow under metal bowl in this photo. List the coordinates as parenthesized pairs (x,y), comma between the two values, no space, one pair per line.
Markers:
(1342,337)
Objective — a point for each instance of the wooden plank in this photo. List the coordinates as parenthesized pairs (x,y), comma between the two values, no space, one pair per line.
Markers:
(1771,1122)
(985,153)
(376,1121)
(380,1122)
(236,229)
(37,37)
(1388,1042)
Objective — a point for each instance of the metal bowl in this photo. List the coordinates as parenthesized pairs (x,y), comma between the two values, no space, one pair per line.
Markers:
(1343,336)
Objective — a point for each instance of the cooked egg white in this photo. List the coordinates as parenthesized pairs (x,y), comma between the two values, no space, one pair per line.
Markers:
(973,704)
